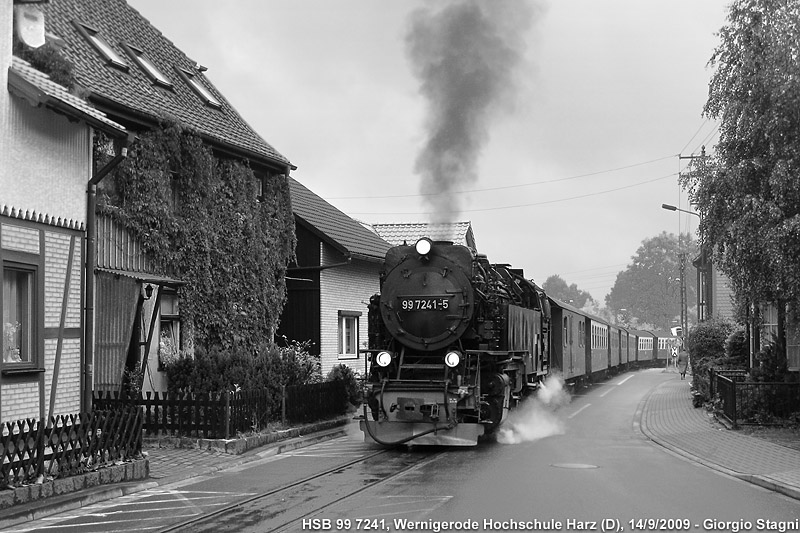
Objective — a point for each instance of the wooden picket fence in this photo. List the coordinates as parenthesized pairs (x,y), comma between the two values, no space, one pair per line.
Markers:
(67,445)
(223,415)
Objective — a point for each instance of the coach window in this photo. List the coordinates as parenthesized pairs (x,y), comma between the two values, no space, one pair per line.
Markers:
(565,332)
(19,314)
(348,334)
(571,325)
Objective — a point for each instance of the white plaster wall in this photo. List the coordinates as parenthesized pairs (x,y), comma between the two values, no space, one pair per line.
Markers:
(347,288)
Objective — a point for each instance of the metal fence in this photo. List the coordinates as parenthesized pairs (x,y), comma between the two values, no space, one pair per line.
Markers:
(752,402)
(67,445)
(223,415)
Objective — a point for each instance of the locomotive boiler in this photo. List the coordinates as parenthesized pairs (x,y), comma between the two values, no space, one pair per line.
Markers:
(455,343)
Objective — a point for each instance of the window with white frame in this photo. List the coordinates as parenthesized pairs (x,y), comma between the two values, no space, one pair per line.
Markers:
(793,339)
(101,45)
(201,90)
(169,346)
(348,334)
(769,328)
(147,65)
(19,313)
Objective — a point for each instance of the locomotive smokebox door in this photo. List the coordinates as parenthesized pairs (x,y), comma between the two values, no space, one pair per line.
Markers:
(427,305)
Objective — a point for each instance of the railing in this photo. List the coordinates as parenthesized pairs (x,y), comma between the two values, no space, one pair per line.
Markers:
(753,401)
(223,415)
(68,444)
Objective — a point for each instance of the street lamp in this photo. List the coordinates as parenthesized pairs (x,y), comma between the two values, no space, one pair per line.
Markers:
(673,208)
(684,310)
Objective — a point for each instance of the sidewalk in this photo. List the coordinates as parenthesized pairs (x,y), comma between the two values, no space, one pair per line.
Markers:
(668,419)
(170,465)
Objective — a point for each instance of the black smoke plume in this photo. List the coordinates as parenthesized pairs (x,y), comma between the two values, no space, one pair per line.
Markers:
(464,53)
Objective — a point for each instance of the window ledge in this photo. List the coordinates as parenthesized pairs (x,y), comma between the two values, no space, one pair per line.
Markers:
(21,371)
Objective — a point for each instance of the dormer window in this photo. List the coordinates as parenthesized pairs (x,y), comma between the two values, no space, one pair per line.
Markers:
(148,66)
(199,88)
(101,45)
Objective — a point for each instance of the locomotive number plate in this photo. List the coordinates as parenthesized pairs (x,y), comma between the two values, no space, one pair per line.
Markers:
(425,304)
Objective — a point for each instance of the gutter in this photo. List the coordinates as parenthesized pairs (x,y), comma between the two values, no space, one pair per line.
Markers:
(320,268)
(91,262)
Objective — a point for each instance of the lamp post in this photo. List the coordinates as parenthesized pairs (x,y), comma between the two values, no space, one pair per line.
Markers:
(673,208)
(682,255)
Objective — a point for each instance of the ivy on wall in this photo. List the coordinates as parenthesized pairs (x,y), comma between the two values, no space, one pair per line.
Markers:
(201,219)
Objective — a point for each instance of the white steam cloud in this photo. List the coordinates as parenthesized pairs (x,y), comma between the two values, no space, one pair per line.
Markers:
(465,54)
(537,417)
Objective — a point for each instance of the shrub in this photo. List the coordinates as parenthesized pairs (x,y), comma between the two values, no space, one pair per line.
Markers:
(351,382)
(770,365)
(737,350)
(268,367)
(706,345)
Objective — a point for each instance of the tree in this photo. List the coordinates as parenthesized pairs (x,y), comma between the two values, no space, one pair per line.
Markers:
(649,289)
(556,287)
(749,193)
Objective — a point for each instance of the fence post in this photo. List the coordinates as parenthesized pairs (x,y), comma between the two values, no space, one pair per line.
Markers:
(711,383)
(283,403)
(41,435)
(227,414)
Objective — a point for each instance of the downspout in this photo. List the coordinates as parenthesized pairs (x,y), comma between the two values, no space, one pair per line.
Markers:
(91,262)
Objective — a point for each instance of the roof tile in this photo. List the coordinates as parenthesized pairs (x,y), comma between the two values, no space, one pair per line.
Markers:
(340,230)
(118,23)
(456,232)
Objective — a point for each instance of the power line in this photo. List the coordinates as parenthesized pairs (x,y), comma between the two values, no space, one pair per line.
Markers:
(693,136)
(527,205)
(505,187)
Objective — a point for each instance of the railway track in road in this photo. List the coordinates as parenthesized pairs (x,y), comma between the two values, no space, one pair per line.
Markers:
(285,508)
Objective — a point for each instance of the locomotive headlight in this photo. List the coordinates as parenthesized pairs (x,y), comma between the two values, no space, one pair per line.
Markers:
(452,359)
(383,359)
(423,246)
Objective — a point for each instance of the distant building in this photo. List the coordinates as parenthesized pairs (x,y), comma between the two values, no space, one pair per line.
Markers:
(714,294)
(715,300)
(337,271)
(408,233)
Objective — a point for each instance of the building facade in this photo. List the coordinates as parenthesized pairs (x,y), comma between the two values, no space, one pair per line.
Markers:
(337,271)
(45,167)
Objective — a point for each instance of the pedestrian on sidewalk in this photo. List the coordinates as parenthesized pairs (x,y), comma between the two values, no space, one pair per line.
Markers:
(683,362)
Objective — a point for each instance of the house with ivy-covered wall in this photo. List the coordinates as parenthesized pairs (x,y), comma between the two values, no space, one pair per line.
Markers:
(46,136)
(194,229)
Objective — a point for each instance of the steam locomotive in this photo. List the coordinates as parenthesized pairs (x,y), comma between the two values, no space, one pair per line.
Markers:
(456,342)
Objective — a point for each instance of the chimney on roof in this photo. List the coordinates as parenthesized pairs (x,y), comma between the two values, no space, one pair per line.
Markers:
(29,24)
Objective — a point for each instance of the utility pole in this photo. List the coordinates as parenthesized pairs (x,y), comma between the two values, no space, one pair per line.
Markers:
(684,309)
(682,255)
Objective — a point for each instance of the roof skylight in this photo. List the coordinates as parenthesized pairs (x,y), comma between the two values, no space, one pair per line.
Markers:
(101,45)
(199,88)
(147,65)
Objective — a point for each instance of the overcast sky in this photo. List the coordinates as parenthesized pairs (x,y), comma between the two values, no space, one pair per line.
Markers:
(575,157)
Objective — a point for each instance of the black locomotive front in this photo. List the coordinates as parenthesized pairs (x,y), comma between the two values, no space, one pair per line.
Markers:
(441,371)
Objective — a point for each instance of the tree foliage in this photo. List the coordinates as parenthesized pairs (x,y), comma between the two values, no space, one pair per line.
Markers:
(556,287)
(749,193)
(649,288)
(200,218)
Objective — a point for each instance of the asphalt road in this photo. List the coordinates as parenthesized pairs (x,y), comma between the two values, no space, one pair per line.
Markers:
(577,467)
